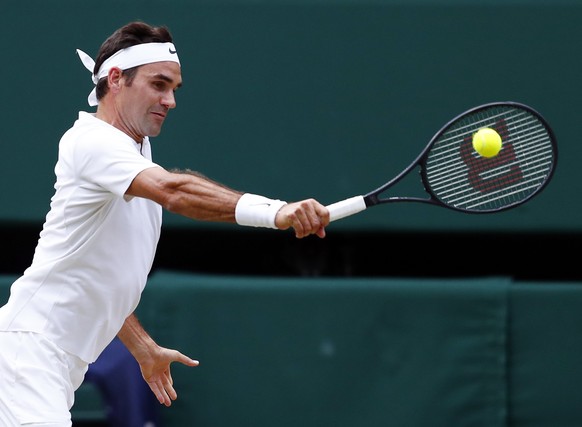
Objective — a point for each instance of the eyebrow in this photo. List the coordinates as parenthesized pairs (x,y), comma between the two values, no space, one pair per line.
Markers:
(165,78)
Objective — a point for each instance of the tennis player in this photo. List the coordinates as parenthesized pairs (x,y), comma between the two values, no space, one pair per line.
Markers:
(99,239)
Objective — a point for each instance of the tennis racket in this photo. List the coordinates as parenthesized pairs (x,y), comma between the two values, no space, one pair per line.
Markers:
(455,176)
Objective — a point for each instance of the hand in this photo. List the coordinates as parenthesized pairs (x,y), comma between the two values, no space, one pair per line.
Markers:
(156,372)
(305,217)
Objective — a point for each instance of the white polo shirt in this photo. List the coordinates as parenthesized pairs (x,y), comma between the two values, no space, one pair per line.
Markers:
(96,248)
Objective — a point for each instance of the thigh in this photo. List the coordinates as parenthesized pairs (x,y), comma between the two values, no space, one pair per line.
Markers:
(7,418)
(7,356)
(35,380)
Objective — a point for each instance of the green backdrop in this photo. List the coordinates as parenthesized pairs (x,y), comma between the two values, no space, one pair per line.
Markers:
(406,352)
(295,99)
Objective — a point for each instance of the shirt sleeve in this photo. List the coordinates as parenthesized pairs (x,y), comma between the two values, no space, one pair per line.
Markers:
(110,162)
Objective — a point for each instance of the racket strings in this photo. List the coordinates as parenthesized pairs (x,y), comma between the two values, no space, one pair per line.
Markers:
(459,177)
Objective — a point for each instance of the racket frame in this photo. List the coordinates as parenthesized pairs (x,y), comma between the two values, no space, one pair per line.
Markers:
(357,204)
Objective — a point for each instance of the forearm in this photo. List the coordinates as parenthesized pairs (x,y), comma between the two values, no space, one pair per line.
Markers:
(136,339)
(203,200)
(214,202)
(187,193)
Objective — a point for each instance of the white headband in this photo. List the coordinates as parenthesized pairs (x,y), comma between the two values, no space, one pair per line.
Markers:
(139,54)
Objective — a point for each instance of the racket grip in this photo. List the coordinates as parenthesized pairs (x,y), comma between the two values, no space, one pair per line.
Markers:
(347,207)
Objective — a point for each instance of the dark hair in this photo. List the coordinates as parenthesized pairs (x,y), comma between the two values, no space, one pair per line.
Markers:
(130,34)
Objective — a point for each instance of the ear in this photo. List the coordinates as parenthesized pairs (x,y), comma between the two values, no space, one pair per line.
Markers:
(114,79)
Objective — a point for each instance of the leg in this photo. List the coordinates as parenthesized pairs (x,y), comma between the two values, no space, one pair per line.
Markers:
(37,381)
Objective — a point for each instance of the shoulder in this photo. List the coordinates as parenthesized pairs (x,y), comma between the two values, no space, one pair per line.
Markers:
(93,136)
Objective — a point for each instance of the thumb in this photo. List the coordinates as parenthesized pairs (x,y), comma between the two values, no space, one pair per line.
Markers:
(185,360)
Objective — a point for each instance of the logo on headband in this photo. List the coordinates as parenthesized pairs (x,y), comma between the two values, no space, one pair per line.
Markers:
(171,51)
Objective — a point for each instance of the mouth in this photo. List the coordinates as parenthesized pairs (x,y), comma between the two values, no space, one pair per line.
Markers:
(159,114)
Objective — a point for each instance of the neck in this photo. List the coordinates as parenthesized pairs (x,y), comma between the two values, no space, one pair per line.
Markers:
(109,115)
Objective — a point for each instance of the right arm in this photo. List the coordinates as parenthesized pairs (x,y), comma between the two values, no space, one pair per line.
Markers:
(186,193)
(197,197)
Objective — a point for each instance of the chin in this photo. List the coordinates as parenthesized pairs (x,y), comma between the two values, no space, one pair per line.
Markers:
(154,132)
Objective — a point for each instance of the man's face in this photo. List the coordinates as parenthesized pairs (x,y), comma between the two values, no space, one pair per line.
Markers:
(143,106)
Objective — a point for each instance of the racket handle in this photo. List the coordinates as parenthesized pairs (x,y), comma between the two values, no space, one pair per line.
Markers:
(347,207)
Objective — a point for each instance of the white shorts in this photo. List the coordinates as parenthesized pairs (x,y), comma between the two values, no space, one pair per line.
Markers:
(37,381)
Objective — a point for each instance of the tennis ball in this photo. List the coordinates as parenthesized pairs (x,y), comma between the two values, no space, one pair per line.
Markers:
(487,142)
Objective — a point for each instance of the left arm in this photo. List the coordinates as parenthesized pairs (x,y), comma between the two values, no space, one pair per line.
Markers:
(154,361)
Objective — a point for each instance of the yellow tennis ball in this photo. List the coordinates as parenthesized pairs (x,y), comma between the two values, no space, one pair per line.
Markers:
(487,142)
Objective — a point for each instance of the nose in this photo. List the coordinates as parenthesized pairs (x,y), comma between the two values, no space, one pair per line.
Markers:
(168,100)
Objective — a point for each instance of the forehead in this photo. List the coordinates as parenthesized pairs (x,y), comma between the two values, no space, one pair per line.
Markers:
(166,70)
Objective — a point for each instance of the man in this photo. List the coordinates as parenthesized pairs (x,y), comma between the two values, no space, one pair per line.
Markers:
(100,235)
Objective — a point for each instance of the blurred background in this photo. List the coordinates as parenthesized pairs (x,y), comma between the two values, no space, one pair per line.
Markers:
(329,99)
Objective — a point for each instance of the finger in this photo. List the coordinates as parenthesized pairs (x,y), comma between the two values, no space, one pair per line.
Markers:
(170,392)
(323,214)
(298,220)
(160,393)
(318,221)
(311,221)
(179,357)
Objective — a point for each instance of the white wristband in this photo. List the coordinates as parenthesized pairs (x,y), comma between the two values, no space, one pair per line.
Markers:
(257,211)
